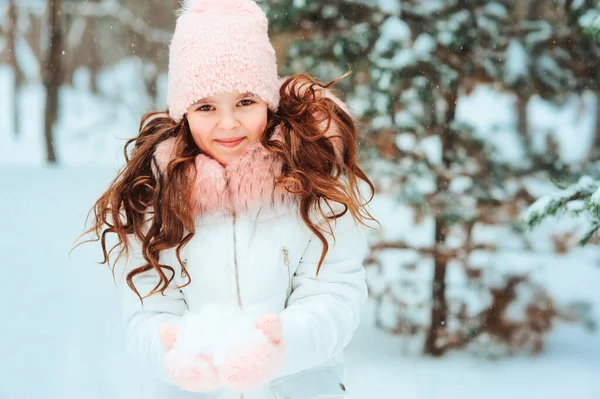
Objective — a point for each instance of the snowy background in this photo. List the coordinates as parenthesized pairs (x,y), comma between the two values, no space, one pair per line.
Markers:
(62,337)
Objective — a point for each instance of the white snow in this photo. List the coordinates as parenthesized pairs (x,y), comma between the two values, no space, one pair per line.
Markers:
(393,31)
(595,198)
(460,184)
(389,6)
(299,3)
(495,9)
(401,59)
(516,62)
(591,19)
(432,148)
(424,44)
(406,141)
(576,205)
(538,208)
(493,115)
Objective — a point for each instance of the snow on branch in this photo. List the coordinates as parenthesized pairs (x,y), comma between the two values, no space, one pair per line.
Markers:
(582,197)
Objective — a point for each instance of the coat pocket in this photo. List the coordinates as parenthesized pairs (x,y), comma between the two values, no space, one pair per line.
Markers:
(319,383)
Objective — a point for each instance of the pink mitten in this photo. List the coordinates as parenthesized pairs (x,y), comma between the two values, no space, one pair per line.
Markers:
(195,373)
(256,360)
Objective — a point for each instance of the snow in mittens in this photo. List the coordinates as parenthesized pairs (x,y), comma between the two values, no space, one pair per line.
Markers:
(216,329)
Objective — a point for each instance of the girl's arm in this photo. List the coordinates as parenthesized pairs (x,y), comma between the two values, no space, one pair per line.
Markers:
(324,310)
(142,322)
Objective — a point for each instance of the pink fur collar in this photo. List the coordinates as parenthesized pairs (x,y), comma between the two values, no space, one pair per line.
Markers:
(245,184)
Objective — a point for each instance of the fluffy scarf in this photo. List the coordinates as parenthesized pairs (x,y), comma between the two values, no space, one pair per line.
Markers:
(244,184)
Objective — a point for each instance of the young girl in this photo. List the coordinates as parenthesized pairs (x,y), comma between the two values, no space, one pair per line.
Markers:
(241,203)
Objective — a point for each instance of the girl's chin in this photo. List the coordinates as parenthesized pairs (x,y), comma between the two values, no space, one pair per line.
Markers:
(227,157)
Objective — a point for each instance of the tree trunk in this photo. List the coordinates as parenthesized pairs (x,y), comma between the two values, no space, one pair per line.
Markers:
(439,305)
(52,77)
(520,9)
(595,150)
(522,125)
(150,72)
(12,57)
(95,63)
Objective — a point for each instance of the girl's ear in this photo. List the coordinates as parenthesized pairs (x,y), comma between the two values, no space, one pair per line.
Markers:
(164,153)
(167,334)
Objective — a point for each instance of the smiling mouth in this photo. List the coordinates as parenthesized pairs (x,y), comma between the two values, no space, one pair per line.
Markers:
(231,142)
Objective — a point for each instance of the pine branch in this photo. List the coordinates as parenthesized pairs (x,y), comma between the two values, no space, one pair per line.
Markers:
(588,236)
(582,197)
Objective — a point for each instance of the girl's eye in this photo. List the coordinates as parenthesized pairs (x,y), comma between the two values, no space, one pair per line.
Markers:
(204,108)
(246,102)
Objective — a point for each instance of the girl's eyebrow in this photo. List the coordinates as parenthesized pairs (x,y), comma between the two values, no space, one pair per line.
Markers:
(242,95)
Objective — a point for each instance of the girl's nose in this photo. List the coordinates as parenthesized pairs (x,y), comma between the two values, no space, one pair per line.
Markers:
(228,121)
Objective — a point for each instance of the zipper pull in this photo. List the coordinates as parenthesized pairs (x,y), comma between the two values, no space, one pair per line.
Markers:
(286,257)
(183,272)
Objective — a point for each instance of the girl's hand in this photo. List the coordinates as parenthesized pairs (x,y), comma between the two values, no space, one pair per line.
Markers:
(255,361)
(191,373)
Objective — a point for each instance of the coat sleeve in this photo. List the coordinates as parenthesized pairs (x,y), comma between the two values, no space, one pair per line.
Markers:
(324,310)
(142,322)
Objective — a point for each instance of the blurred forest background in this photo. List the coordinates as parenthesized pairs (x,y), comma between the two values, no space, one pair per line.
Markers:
(480,125)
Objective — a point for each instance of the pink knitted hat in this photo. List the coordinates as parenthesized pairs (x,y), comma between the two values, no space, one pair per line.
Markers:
(219,46)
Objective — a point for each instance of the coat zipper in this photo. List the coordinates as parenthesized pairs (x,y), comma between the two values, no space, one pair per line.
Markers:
(235,264)
(286,257)
(286,262)
(237,273)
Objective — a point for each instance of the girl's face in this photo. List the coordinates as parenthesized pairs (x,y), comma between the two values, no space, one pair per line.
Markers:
(223,125)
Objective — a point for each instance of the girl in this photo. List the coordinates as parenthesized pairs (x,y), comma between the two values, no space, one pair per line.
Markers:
(243,195)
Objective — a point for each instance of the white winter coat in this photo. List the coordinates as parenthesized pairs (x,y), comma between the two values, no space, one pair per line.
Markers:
(256,252)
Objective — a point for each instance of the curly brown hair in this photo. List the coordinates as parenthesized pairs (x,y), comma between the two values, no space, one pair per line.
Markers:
(148,205)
